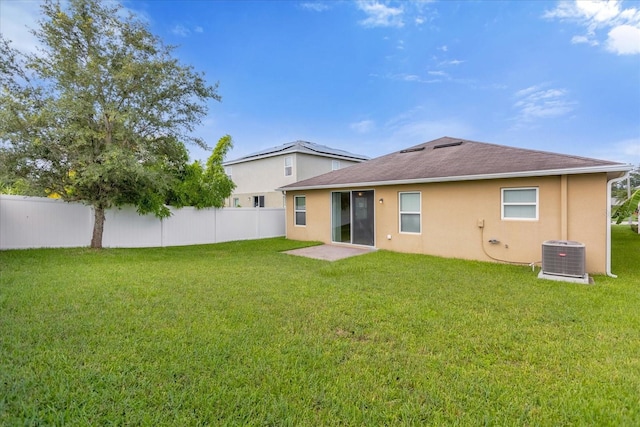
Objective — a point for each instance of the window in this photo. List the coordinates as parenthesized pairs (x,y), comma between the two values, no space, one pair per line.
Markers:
(520,203)
(236,202)
(300,210)
(288,166)
(258,201)
(335,165)
(410,212)
(227,171)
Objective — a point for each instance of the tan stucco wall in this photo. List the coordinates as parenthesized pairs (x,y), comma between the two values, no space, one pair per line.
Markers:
(573,210)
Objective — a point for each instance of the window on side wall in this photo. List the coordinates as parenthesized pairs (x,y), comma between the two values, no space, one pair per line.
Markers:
(288,166)
(520,203)
(258,201)
(335,165)
(236,202)
(300,210)
(410,215)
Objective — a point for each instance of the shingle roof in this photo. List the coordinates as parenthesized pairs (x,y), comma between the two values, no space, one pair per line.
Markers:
(455,159)
(300,147)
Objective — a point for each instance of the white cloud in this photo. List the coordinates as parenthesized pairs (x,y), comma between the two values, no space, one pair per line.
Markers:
(418,125)
(315,6)
(630,147)
(584,39)
(185,31)
(413,78)
(180,30)
(16,18)
(598,11)
(380,15)
(452,62)
(409,77)
(537,102)
(624,151)
(363,126)
(624,40)
(621,26)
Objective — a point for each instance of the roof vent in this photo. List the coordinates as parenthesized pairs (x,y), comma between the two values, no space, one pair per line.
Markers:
(411,150)
(451,144)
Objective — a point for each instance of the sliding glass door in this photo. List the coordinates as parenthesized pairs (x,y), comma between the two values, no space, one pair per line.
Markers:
(352,217)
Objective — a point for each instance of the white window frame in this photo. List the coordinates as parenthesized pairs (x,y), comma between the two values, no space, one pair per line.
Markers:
(335,165)
(503,204)
(227,171)
(296,211)
(236,202)
(401,212)
(288,166)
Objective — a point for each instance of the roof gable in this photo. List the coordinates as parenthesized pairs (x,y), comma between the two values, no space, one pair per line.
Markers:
(305,147)
(449,159)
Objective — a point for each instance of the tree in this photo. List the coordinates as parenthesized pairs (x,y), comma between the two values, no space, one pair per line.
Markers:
(624,188)
(102,112)
(627,208)
(207,186)
(628,192)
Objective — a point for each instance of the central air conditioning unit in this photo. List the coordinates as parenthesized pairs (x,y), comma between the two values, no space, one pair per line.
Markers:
(563,260)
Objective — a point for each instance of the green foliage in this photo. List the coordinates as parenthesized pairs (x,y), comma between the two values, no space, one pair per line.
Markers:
(204,187)
(628,208)
(101,113)
(620,191)
(241,334)
(19,187)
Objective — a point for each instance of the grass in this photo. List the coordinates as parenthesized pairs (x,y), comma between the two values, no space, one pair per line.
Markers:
(241,334)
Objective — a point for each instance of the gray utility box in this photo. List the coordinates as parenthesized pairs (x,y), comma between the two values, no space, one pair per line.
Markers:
(564,260)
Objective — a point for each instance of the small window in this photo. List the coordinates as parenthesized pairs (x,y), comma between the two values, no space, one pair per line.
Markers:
(335,165)
(258,201)
(520,203)
(236,202)
(227,171)
(300,210)
(288,166)
(410,212)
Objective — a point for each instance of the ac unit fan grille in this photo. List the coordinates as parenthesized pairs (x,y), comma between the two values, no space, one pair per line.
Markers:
(563,258)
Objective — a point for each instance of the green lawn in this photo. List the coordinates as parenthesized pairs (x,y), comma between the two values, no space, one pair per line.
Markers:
(241,334)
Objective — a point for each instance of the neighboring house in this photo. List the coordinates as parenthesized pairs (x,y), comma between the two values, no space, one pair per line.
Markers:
(463,199)
(258,175)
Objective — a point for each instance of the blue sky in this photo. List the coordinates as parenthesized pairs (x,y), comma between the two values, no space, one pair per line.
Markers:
(374,77)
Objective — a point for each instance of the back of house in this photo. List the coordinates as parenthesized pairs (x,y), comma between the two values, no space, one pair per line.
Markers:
(464,199)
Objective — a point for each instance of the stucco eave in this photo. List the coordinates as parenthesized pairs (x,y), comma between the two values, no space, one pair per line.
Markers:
(609,169)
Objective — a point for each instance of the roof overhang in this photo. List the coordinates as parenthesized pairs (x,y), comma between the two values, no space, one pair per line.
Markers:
(612,171)
(294,151)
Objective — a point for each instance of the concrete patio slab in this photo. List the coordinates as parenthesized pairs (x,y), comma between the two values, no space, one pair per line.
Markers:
(329,252)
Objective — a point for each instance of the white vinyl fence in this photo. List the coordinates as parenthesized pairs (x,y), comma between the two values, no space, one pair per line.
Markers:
(35,222)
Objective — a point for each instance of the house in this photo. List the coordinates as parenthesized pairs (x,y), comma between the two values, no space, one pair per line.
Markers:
(464,199)
(258,175)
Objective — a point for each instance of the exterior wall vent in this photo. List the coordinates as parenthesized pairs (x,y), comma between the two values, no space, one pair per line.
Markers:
(563,259)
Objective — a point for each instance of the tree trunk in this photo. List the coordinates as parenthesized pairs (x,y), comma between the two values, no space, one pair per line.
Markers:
(98,227)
